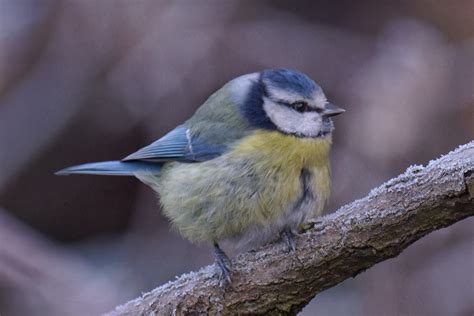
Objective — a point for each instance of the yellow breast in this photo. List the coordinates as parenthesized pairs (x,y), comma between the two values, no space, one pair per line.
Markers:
(284,157)
(255,184)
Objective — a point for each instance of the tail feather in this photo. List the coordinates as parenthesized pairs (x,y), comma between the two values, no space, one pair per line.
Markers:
(113,168)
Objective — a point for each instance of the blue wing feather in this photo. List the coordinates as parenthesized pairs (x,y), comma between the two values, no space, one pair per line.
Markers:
(178,145)
(113,168)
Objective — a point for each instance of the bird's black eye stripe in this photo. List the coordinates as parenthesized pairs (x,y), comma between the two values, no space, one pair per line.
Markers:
(300,106)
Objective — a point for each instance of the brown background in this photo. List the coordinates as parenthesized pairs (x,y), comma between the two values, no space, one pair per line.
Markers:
(95,80)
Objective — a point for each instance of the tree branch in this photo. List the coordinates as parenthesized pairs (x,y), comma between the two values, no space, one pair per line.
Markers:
(356,237)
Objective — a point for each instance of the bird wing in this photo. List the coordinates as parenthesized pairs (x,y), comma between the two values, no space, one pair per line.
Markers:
(178,145)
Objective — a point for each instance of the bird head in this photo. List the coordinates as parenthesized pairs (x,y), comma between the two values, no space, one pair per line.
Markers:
(288,101)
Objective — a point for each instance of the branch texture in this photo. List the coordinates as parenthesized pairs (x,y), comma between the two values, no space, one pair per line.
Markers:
(341,245)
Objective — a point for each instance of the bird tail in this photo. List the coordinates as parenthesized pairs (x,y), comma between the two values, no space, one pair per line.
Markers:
(113,168)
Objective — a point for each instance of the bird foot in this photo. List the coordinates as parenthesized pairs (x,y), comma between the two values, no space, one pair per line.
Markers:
(224,264)
(289,238)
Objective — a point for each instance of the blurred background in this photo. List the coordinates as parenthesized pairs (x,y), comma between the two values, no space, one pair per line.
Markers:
(84,81)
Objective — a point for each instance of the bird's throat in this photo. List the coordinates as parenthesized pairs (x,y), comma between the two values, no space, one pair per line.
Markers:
(281,150)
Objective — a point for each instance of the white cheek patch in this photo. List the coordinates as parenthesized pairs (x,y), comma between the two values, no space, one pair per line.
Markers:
(289,121)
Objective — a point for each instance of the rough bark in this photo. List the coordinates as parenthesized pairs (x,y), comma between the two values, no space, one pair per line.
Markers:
(356,237)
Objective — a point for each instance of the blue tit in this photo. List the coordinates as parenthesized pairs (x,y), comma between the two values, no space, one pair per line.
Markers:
(249,167)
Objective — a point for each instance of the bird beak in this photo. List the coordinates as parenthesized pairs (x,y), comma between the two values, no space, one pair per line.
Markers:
(332,110)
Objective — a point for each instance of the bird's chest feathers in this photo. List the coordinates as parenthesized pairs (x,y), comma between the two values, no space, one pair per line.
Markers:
(289,168)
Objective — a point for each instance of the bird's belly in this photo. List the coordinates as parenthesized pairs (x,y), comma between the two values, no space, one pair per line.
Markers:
(246,195)
(304,208)
(250,209)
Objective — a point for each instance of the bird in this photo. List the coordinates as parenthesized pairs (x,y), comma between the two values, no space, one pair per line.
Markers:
(249,167)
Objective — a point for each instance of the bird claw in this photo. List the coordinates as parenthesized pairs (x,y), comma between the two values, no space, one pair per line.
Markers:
(288,237)
(224,264)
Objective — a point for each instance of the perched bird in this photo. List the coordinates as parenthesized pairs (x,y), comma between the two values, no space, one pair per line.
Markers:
(250,166)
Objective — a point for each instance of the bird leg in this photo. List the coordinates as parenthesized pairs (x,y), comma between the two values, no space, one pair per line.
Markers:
(289,239)
(223,262)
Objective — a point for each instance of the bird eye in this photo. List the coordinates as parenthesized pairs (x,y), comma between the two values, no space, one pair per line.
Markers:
(300,106)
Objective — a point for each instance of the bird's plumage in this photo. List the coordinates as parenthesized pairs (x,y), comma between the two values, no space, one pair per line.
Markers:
(251,162)
(291,81)
(112,168)
(178,145)
(242,195)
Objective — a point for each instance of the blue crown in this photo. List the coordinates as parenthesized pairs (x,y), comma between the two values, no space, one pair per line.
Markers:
(290,80)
